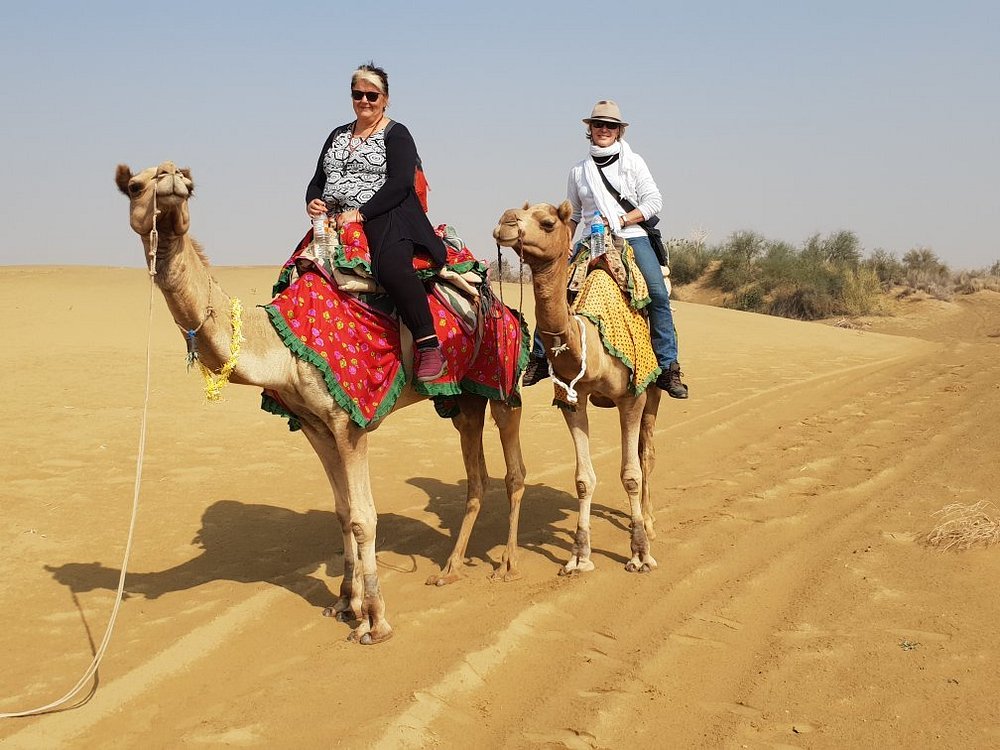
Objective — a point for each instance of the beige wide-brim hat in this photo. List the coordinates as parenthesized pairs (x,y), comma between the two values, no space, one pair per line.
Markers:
(607,111)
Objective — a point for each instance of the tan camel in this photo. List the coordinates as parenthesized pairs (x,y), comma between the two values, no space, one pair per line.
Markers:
(182,274)
(541,234)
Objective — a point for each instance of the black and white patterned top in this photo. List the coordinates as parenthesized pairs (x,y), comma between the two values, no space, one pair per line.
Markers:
(355,169)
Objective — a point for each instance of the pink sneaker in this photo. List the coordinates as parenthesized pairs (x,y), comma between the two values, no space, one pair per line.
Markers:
(430,364)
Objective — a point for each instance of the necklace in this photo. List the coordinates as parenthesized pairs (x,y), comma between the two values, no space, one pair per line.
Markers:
(352,146)
(354,142)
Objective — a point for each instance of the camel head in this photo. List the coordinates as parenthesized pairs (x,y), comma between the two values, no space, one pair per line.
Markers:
(171,187)
(540,234)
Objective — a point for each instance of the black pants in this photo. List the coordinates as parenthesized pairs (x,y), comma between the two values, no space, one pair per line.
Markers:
(392,264)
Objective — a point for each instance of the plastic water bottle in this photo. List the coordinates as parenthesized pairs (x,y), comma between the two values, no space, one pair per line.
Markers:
(597,236)
(321,237)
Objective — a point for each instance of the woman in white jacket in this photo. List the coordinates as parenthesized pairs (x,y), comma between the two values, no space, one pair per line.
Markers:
(629,176)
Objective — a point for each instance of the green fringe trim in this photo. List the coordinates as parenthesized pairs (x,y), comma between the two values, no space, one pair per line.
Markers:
(513,398)
(637,388)
(303,352)
(284,279)
(272,406)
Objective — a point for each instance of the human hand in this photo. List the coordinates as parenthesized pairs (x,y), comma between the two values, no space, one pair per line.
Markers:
(315,208)
(349,217)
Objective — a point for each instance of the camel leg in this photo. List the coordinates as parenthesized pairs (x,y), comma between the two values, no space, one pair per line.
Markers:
(469,423)
(508,421)
(347,466)
(647,457)
(630,414)
(586,483)
(374,627)
(348,604)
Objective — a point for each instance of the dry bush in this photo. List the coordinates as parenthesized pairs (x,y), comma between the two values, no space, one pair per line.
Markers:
(862,293)
(965,526)
(970,282)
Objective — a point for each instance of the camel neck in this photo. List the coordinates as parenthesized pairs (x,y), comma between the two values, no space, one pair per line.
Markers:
(551,309)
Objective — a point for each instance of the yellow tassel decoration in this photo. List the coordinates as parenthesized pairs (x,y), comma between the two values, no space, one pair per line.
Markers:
(215,383)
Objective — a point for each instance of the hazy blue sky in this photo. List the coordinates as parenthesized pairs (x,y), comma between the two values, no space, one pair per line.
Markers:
(786,118)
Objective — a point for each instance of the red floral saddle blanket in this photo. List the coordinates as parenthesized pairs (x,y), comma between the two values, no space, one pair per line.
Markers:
(354,341)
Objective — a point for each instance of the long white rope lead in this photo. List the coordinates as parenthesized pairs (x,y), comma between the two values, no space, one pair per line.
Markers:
(92,669)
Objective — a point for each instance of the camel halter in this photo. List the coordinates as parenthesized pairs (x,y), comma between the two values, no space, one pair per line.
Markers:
(572,397)
(213,383)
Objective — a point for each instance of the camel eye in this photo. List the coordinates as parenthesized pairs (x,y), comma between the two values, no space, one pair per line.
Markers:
(548,223)
(134,188)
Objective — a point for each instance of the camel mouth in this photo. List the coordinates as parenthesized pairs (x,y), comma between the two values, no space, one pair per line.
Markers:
(507,233)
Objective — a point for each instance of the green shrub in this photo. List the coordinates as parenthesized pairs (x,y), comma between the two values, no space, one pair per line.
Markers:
(688,261)
(750,298)
(887,267)
(803,303)
(738,261)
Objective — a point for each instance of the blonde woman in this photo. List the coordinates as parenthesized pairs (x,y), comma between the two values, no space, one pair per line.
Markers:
(365,174)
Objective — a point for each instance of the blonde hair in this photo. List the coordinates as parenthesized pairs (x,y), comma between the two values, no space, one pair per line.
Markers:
(372,74)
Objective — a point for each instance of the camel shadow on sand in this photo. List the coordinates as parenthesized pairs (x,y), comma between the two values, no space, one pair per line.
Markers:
(303,552)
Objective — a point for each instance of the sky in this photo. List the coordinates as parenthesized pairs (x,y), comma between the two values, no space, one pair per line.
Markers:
(784,117)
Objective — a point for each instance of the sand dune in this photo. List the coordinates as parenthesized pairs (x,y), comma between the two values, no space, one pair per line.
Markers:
(794,605)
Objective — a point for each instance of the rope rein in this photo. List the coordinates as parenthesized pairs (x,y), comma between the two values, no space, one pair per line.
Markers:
(102,649)
(213,387)
(571,395)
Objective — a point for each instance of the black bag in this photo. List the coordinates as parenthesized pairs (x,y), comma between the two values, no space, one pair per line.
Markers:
(648,226)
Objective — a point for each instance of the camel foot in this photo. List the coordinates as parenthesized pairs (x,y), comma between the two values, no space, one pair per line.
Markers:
(343,611)
(441,579)
(576,566)
(646,565)
(506,575)
(370,637)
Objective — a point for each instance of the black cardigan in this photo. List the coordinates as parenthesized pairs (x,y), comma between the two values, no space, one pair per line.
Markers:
(394,213)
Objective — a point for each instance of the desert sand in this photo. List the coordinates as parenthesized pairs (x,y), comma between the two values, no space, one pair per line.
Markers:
(795,604)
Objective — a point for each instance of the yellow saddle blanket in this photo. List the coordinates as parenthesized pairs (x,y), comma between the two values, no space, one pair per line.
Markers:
(624,330)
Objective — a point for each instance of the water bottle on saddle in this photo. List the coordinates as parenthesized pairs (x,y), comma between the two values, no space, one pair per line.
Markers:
(324,237)
(597,239)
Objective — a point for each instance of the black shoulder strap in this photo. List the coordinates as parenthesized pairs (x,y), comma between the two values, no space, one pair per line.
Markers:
(623,202)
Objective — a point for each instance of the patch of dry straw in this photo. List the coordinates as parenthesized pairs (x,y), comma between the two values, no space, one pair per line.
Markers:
(964,526)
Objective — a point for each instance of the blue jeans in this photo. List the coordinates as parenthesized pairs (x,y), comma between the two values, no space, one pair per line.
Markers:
(662,333)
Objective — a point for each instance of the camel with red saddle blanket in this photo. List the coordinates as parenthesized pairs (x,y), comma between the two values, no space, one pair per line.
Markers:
(218,330)
(584,370)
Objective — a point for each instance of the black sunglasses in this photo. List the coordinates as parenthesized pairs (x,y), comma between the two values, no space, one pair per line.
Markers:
(371,96)
(605,125)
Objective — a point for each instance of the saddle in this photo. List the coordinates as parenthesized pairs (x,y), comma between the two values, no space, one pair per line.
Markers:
(329,311)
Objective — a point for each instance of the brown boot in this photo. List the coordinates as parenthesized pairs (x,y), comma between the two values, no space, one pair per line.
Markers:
(536,370)
(670,381)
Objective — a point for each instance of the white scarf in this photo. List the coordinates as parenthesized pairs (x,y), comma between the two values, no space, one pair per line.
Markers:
(610,208)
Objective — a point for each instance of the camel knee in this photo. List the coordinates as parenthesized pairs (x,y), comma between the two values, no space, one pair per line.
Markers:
(363,531)
(632,483)
(584,489)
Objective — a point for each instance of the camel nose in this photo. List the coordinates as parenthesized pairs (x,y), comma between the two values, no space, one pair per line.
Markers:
(171,181)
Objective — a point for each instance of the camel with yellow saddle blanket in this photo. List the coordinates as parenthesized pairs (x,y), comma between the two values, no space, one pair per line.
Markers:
(587,366)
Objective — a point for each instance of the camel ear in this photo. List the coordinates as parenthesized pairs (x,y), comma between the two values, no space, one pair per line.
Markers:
(564,211)
(122,175)
(526,206)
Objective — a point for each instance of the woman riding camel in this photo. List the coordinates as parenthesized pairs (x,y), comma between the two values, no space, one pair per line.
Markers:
(365,175)
(615,182)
